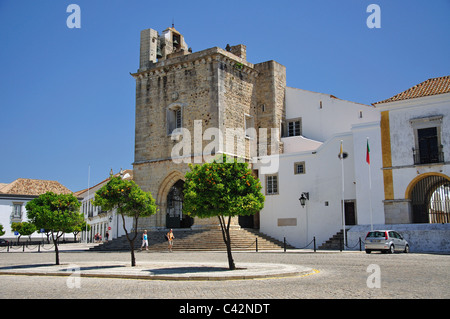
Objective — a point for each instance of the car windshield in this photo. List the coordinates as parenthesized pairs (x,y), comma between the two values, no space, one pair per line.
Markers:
(376,234)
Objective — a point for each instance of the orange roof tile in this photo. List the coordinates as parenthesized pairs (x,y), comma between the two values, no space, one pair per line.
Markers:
(25,186)
(429,87)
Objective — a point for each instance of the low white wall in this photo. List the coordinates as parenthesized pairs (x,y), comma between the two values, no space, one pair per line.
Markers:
(421,237)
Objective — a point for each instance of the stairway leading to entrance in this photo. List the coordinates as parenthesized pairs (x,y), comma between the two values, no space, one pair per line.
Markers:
(335,242)
(198,239)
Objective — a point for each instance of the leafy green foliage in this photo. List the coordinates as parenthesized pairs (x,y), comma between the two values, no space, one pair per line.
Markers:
(23,228)
(125,195)
(129,200)
(58,213)
(224,188)
(227,189)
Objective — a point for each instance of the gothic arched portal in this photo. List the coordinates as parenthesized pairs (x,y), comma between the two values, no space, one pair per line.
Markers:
(174,209)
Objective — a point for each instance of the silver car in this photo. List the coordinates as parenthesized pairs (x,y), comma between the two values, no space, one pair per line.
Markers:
(385,241)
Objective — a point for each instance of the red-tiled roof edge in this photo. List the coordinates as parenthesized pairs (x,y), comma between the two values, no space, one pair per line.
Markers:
(432,86)
(28,186)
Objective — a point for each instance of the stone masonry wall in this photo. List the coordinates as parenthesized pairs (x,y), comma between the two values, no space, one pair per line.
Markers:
(213,86)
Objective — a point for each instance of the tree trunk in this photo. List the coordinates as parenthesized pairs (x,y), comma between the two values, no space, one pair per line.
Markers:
(130,240)
(55,243)
(227,239)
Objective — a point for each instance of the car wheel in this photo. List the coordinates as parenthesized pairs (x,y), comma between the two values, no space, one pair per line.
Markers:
(368,251)
(406,249)
(391,249)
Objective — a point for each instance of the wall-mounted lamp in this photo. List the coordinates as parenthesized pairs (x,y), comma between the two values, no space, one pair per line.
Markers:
(303,198)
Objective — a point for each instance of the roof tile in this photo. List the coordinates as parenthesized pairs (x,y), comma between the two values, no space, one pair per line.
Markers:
(429,87)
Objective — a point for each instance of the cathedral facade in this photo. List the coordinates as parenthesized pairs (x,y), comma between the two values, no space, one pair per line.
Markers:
(193,104)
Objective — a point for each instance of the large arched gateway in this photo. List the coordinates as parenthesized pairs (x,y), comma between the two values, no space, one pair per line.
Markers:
(430,199)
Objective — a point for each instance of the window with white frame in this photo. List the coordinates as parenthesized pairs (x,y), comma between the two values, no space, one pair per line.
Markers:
(17,211)
(272,184)
(292,127)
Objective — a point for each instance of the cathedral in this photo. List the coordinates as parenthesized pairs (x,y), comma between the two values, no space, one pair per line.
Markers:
(178,91)
(310,150)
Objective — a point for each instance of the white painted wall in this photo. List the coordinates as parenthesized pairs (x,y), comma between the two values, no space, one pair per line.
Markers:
(369,197)
(6,209)
(402,137)
(323,181)
(325,122)
(335,116)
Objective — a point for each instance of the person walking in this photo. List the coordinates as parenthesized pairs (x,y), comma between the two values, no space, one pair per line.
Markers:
(170,238)
(144,240)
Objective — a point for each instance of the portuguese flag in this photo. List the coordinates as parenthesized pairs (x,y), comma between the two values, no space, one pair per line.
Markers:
(368,153)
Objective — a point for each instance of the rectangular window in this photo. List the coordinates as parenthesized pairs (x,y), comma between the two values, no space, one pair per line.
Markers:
(427,135)
(174,119)
(299,168)
(271,184)
(178,118)
(17,211)
(428,145)
(294,127)
(249,126)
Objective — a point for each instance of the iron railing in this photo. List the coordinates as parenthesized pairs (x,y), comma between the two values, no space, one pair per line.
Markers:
(427,157)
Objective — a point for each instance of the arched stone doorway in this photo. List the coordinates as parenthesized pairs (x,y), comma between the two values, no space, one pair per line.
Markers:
(174,209)
(430,199)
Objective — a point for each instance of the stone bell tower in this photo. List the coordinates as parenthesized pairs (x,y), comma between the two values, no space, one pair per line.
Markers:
(176,90)
(156,48)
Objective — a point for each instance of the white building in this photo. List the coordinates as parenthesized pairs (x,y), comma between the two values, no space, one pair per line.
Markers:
(409,184)
(14,197)
(316,123)
(102,221)
(415,136)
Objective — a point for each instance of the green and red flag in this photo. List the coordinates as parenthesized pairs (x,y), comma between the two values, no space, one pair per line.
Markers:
(368,153)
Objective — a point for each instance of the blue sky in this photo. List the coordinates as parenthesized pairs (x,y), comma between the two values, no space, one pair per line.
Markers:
(67,99)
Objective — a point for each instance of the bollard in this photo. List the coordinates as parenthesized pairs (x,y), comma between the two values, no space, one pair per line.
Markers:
(23,248)
(360,244)
(340,244)
(314,239)
(39,247)
(284,244)
(256,244)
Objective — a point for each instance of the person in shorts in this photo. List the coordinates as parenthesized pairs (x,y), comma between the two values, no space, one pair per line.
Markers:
(144,240)
(170,238)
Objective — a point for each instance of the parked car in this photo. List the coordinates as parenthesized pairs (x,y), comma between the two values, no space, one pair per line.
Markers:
(3,242)
(385,241)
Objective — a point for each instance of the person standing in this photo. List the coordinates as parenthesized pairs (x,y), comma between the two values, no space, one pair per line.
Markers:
(170,238)
(144,240)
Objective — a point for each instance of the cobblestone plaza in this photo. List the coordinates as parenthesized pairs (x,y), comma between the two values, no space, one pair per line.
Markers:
(336,275)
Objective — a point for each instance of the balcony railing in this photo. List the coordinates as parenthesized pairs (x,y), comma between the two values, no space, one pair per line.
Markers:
(427,157)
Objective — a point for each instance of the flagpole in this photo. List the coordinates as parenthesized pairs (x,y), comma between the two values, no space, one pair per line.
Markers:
(89,180)
(370,187)
(343,194)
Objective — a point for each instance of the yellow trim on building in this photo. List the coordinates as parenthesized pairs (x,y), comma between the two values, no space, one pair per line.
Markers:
(418,179)
(386,156)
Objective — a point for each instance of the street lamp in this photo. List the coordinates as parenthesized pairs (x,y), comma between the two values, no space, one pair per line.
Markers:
(303,198)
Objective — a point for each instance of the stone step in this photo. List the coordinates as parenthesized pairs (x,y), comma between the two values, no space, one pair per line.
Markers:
(335,242)
(201,239)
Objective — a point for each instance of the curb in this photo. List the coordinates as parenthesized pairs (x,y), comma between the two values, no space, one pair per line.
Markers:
(186,273)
